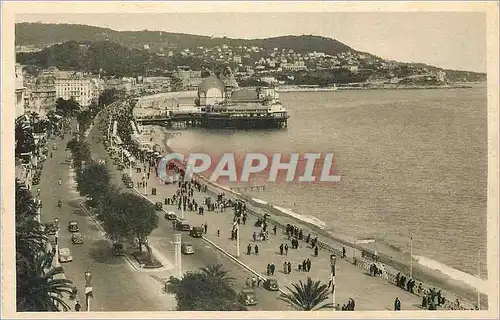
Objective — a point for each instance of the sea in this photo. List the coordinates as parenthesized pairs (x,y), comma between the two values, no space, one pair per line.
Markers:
(412,163)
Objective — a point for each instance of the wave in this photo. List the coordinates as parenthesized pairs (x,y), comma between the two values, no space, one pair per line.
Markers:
(306,218)
(473,281)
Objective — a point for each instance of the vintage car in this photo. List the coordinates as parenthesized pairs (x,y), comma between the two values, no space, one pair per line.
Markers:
(77,238)
(196,232)
(181,225)
(65,255)
(73,226)
(271,285)
(118,249)
(187,248)
(50,228)
(247,297)
(170,216)
(158,206)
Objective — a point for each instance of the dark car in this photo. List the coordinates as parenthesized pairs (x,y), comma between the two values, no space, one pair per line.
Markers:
(196,232)
(77,238)
(181,225)
(271,285)
(158,206)
(187,248)
(129,183)
(50,228)
(248,298)
(118,249)
(170,216)
(73,226)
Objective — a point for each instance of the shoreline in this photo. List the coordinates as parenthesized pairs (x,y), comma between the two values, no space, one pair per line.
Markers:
(398,261)
(374,87)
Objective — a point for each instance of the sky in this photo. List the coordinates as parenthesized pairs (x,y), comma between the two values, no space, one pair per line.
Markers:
(451,40)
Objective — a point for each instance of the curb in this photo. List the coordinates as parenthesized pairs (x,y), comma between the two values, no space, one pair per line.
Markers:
(237,261)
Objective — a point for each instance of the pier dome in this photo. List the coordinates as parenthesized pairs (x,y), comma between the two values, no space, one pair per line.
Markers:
(211,90)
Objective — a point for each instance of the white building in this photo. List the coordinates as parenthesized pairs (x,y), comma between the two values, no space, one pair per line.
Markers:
(211,91)
(81,87)
(441,76)
(20,89)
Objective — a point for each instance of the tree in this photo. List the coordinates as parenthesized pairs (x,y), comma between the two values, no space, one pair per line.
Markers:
(128,215)
(94,180)
(199,291)
(217,271)
(39,289)
(67,108)
(25,142)
(80,151)
(307,296)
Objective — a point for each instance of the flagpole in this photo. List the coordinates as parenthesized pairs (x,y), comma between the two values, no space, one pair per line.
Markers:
(479,276)
(237,240)
(411,256)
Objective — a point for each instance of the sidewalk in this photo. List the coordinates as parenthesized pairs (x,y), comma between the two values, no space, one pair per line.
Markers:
(370,293)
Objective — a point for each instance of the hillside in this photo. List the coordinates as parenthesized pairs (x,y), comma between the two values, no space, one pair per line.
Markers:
(46,34)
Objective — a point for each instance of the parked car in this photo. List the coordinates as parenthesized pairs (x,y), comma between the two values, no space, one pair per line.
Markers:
(129,184)
(77,238)
(181,225)
(65,255)
(248,298)
(196,232)
(50,228)
(187,248)
(73,226)
(170,216)
(118,249)
(271,285)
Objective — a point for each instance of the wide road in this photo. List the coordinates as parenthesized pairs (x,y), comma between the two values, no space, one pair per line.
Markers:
(116,285)
(162,240)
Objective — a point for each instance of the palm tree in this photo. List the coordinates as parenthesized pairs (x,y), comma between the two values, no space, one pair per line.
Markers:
(25,205)
(217,271)
(25,142)
(30,241)
(307,296)
(40,289)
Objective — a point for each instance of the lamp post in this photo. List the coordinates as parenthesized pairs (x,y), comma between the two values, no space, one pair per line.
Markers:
(479,276)
(333,261)
(237,239)
(411,256)
(178,254)
(88,289)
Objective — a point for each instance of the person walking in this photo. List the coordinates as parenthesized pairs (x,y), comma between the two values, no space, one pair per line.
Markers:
(78,307)
(289,267)
(218,233)
(274,230)
(343,252)
(206,227)
(285,267)
(308,262)
(272,268)
(286,249)
(281,249)
(397,304)
(256,249)
(249,249)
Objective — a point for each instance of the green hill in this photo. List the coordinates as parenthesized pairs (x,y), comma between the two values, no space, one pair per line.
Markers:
(46,34)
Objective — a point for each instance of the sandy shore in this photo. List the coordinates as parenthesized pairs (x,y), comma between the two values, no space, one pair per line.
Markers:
(160,137)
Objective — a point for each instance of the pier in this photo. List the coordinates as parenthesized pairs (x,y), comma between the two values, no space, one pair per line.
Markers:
(249,188)
(242,120)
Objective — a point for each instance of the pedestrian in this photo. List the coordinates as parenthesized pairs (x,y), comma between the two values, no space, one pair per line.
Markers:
(206,227)
(77,306)
(304,265)
(286,249)
(289,267)
(316,250)
(397,304)
(268,272)
(274,230)
(249,249)
(256,249)
(254,281)
(285,267)
(218,233)
(273,267)
(281,249)
(259,280)
(343,252)
(248,282)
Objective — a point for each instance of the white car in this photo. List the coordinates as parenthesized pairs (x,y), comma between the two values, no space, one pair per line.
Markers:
(65,255)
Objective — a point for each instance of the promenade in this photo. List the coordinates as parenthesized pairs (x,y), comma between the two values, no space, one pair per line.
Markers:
(370,293)
(161,241)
